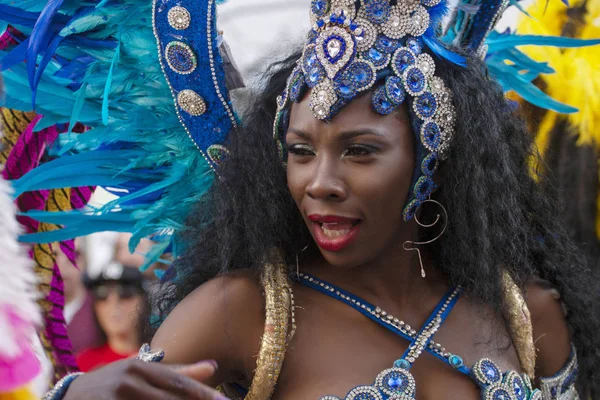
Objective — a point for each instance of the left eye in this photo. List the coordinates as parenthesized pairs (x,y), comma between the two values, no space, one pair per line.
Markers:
(354,151)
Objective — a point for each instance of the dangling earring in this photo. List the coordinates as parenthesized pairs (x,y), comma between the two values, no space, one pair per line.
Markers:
(298,262)
(437,219)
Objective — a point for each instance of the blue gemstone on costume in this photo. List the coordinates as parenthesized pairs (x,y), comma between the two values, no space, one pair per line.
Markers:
(297,89)
(414,45)
(386,45)
(395,90)
(570,380)
(378,11)
(362,74)
(345,86)
(315,76)
(376,55)
(381,103)
(320,23)
(431,137)
(424,187)
(415,80)
(180,57)
(490,371)
(395,382)
(519,389)
(411,209)
(310,59)
(501,394)
(402,363)
(403,59)
(319,7)
(353,26)
(425,105)
(428,167)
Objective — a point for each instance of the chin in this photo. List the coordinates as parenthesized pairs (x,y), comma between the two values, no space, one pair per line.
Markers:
(345,259)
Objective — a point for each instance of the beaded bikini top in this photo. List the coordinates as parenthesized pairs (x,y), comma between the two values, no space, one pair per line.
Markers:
(397,382)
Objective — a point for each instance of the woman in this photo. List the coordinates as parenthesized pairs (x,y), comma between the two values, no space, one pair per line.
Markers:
(357,204)
(119,302)
(341,193)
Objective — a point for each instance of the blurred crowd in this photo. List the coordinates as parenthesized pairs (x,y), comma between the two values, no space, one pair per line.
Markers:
(106,301)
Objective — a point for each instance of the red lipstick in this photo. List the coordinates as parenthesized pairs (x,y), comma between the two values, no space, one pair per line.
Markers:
(334,233)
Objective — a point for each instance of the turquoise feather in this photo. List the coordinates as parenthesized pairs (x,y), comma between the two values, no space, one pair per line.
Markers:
(134,134)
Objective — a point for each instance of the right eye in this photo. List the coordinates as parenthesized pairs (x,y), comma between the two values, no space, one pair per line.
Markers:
(301,150)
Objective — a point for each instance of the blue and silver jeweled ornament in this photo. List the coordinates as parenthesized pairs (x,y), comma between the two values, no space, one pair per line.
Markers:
(180,58)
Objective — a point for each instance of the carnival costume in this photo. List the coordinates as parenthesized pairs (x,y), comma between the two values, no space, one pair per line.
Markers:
(133,96)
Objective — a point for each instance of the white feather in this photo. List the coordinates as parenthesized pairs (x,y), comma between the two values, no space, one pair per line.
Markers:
(18,293)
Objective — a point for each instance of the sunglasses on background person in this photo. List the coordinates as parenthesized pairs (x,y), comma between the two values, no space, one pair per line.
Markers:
(123,291)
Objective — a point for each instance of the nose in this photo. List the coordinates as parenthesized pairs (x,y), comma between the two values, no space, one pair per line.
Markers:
(326,183)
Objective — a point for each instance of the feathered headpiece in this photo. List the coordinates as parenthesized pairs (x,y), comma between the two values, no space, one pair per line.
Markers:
(128,95)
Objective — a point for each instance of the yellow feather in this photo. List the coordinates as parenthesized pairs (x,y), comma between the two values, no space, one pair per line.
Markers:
(20,394)
(577,78)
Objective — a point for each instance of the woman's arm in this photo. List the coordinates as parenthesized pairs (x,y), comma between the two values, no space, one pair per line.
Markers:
(223,320)
(550,330)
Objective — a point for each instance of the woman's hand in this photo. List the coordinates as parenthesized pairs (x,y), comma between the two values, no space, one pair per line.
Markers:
(132,379)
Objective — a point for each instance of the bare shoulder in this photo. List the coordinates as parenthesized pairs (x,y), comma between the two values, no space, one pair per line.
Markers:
(550,330)
(221,320)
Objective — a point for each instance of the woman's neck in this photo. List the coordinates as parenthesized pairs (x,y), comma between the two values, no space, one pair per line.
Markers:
(125,344)
(392,280)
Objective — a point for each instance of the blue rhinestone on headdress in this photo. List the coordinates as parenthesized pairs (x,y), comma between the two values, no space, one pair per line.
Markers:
(353,46)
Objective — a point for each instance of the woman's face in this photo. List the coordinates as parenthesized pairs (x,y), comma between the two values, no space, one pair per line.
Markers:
(117,308)
(350,178)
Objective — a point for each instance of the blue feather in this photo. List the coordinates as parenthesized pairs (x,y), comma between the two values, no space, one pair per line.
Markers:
(442,52)
(41,36)
(108,83)
(503,42)
(510,79)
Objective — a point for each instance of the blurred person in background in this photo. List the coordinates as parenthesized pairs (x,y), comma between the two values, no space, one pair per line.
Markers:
(79,313)
(119,299)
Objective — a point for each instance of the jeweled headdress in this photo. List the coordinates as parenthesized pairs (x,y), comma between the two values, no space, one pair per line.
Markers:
(378,45)
(389,47)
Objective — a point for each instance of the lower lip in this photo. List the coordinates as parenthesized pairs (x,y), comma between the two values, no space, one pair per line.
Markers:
(334,244)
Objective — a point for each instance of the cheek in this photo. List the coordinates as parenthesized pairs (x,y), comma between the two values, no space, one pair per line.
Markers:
(385,185)
(296,180)
(102,310)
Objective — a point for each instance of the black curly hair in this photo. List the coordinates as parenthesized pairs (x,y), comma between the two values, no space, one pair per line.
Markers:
(499,217)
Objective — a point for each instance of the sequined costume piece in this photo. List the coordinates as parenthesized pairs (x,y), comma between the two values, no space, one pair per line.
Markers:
(398,383)
(518,318)
(278,317)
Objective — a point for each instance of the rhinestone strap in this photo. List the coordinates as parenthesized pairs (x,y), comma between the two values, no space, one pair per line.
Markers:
(376,313)
(562,385)
(60,389)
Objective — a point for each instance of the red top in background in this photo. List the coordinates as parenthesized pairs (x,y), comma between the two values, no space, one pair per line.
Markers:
(95,358)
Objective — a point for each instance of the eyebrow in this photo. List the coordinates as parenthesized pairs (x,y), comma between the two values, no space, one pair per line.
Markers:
(344,135)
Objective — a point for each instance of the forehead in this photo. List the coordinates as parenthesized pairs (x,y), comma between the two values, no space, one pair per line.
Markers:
(357,114)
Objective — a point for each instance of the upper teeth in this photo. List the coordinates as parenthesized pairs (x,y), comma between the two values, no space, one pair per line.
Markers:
(336,232)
